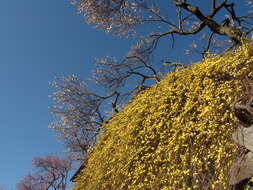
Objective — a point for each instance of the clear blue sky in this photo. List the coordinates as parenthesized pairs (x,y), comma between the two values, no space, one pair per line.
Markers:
(40,39)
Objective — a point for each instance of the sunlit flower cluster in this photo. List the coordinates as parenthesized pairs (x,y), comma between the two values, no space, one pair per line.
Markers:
(175,135)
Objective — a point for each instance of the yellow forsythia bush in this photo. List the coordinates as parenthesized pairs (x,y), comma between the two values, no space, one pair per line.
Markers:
(175,135)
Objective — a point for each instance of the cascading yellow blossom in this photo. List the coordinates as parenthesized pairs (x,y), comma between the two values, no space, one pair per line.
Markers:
(175,135)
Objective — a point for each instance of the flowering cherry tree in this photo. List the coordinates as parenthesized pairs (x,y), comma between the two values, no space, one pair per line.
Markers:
(206,27)
(187,17)
(51,173)
(80,114)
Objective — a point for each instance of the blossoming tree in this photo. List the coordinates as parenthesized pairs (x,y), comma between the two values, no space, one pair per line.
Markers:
(51,173)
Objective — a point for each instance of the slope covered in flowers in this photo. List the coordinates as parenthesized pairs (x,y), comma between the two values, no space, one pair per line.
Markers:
(175,135)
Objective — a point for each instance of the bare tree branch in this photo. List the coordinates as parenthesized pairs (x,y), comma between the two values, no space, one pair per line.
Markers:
(232,32)
(208,45)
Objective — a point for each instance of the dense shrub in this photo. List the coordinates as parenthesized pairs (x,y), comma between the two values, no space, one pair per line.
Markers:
(175,135)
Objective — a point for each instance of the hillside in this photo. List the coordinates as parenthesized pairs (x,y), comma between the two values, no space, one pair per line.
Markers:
(175,135)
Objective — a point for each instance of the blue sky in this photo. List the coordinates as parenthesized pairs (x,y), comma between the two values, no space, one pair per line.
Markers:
(39,39)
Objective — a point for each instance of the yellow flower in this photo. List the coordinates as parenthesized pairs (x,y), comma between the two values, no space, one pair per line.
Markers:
(173,134)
